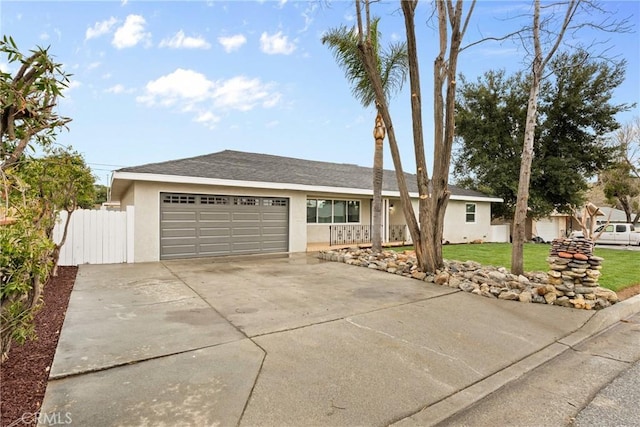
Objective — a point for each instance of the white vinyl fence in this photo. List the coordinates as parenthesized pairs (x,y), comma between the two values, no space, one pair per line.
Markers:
(96,237)
(500,233)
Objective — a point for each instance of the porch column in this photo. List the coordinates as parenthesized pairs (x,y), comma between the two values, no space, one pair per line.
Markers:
(385,220)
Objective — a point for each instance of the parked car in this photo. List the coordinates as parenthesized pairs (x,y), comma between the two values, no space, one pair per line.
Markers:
(617,234)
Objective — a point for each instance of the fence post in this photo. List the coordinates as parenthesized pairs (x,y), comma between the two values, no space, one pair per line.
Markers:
(130,234)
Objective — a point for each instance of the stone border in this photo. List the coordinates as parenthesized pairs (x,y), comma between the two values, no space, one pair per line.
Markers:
(487,281)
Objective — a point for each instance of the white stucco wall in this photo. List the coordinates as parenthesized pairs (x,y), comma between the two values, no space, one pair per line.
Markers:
(147,213)
(457,230)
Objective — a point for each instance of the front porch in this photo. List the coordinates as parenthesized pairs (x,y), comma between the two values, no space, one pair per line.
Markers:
(343,236)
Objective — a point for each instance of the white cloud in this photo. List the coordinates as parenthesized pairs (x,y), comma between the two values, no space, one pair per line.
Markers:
(208,119)
(93,65)
(308,16)
(106,76)
(232,43)
(241,93)
(130,33)
(184,85)
(180,41)
(115,89)
(276,44)
(100,28)
(73,84)
(44,36)
(272,124)
(4,67)
(189,91)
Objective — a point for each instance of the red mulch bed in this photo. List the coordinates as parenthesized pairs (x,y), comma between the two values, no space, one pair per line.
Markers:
(24,375)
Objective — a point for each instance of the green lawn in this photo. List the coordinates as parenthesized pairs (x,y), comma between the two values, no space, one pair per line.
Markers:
(620,269)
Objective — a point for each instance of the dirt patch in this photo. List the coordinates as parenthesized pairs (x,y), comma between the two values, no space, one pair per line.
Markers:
(629,292)
(25,373)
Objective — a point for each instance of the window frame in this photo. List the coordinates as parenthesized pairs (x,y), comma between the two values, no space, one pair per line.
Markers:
(348,204)
(467,212)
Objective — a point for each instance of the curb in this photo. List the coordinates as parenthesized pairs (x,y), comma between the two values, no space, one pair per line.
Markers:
(463,399)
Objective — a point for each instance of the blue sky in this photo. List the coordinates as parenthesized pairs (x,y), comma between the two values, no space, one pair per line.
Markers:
(156,80)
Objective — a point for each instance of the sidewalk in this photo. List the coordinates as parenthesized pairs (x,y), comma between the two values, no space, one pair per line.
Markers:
(294,341)
(601,373)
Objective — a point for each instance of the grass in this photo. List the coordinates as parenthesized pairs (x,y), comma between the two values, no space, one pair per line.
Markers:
(620,269)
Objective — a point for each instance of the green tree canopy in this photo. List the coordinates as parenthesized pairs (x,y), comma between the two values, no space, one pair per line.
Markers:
(576,111)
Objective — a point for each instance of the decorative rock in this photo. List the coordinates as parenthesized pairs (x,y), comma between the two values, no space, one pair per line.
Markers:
(550,297)
(419,275)
(607,294)
(468,286)
(497,276)
(525,296)
(509,295)
(454,282)
(441,278)
(572,280)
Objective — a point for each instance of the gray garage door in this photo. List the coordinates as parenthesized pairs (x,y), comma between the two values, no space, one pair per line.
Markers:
(201,225)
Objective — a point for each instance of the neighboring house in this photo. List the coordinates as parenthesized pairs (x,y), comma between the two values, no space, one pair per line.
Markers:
(244,203)
(562,224)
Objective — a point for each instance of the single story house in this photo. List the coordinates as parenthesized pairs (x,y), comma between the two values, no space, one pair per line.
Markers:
(234,202)
(562,224)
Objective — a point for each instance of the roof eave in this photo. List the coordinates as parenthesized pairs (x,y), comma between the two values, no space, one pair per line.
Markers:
(125,178)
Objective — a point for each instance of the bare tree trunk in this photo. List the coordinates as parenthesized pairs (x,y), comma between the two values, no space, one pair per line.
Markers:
(425,251)
(537,67)
(376,233)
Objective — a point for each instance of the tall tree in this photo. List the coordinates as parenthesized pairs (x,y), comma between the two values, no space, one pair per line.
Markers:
(391,66)
(622,180)
(62,181)
(537,68)
(27,118)
(576,109)
(434,193)
(28,102)
(546,35)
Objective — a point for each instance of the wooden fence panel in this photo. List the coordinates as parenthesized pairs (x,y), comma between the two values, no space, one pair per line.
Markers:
(96,237)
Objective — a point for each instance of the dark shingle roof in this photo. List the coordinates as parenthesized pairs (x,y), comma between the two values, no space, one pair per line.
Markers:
(241,166)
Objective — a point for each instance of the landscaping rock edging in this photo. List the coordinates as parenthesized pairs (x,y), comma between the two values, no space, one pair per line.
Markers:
(487,281)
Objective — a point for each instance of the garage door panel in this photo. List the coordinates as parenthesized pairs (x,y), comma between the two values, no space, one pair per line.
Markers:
(180,249)
(179,216)
(215,231)
(215,216)
(245,247)
(245,231)
(246,217)
(274,231)
(178,232)
(213,249)
(274,216)
(178,225)
(194,225)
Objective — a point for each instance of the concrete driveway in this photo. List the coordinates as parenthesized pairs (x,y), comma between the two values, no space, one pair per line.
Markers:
(287,341)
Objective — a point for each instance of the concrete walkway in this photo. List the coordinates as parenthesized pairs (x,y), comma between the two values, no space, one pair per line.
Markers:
(292,341)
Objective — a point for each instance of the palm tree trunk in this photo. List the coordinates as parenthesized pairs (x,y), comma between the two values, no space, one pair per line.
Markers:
(376,233)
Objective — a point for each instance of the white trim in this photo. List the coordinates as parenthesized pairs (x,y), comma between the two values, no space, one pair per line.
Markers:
(179,179)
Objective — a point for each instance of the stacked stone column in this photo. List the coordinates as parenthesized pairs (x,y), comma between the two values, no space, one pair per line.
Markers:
(574,271)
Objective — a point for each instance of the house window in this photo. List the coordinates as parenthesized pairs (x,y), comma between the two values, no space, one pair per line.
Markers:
(312,214)
(470,212)
(353,211)
(339,211)
(324,211)
(333,211)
